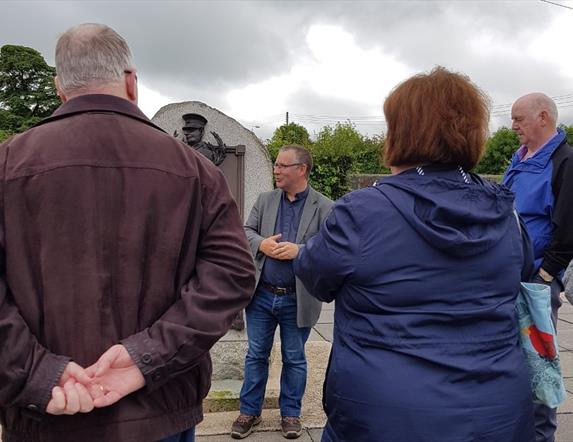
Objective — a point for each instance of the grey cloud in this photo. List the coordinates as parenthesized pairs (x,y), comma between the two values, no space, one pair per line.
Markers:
(199,50)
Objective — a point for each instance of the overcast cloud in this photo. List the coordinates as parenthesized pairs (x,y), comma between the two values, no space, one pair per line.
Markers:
(321,61)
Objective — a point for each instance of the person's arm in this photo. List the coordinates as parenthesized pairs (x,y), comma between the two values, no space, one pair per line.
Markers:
(559,253)
(253,228)
(221,284)
(28,371)
(329,258)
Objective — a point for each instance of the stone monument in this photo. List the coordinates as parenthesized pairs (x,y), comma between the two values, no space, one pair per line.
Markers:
(220,130)
(246,164)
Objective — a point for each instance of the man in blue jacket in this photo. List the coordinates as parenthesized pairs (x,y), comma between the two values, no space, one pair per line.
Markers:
(541,176)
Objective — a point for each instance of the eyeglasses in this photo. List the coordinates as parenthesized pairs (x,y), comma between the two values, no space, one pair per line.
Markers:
(284,166)
(130,71)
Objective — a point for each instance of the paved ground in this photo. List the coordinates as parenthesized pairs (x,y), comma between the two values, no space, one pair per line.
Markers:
(216,427)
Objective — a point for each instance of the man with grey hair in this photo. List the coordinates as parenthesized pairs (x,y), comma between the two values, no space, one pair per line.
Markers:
(113,255)
(541,176)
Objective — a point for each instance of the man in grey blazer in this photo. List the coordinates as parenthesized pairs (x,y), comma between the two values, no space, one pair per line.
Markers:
(280,222)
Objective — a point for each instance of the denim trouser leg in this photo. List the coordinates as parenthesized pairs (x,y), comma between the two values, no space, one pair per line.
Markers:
(186,436)
(261,326)
(263,314)
(293,374)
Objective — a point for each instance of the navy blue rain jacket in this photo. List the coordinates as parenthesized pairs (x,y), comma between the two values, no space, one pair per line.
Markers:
(425,270)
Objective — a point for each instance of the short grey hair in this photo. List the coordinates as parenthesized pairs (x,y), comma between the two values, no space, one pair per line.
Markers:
(302,156)
(91,55)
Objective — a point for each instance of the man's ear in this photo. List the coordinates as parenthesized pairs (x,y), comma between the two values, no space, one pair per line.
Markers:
(544,116)
(131,86)
(59,90)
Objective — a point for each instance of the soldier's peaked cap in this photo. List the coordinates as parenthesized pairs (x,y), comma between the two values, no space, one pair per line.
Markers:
(194,120)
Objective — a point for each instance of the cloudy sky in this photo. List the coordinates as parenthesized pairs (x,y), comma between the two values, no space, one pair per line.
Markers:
(322,61)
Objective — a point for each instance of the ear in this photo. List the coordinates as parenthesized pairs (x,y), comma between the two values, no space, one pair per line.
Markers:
(544,116)
(131,86)
(59,90)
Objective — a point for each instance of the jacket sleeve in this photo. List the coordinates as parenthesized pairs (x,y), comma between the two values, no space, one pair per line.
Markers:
(253,227)
(28,371)
(329,258)
(560,250)
(222,282)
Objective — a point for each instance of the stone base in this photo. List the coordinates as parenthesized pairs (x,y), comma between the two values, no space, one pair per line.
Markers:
(228,356)
(224,393)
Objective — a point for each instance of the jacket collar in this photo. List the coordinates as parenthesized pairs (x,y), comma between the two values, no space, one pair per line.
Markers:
(542,156)
(98,103)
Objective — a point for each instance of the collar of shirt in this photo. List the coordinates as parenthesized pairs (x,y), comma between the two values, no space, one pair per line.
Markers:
(522,151)
(297,197)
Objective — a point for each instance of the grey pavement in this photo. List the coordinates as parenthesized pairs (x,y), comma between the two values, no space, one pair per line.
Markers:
(323,332)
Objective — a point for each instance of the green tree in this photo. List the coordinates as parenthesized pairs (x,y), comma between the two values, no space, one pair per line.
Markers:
(569,132)
(368,158)
(341,140)
(291,133)
(333,154)
(27,91)
(499,149)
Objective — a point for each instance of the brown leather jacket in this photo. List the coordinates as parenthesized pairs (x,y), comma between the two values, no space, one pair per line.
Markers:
(113,231)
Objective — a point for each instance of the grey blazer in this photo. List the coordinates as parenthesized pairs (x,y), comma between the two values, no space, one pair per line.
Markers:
(261,224)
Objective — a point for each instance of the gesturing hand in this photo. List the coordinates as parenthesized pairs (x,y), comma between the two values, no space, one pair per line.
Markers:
(285,250)
(269,244)
(115,375)
(70,396)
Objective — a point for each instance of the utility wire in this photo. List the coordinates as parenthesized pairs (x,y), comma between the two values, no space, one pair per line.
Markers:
(556,4)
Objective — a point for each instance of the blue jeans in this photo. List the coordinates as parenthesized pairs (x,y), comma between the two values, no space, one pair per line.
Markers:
(264,313)
(186,436)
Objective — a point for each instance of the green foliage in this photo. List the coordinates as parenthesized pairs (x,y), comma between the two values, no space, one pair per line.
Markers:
(291,133)
(499,149)
(330,174)
(341,150)
(4,135)
(569,132)
(340,140)
(27,91)
(368,159)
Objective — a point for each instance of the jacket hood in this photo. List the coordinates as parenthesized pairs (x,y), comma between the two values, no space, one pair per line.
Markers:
(458,217)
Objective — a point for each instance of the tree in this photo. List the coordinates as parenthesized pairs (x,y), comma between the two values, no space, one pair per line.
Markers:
(291,133)
(368,159)
(333,154)
(499,149)
(27,91)
(568,132)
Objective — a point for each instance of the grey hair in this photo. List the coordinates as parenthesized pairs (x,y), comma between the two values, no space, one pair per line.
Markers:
(91,55)
(302,156)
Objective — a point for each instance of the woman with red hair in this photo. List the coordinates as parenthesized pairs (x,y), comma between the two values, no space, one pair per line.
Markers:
(425,268)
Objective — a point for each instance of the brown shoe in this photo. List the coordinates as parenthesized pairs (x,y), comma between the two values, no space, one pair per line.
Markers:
(291,427)
(243,425)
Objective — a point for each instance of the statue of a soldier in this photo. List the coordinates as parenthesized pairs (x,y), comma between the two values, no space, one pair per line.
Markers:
(193,131)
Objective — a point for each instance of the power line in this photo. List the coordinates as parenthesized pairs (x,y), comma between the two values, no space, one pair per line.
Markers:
(497,110)
(556,4)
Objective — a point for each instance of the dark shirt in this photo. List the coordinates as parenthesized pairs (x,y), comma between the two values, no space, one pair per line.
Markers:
(275,271)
